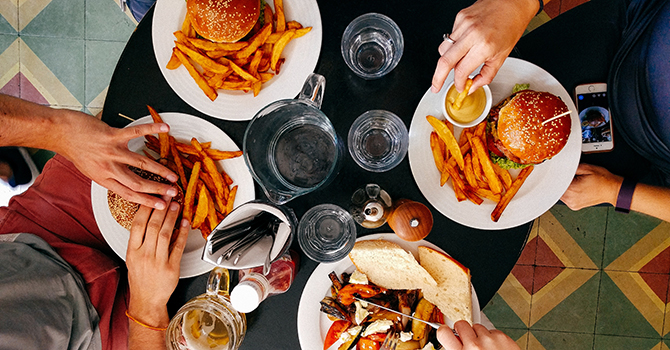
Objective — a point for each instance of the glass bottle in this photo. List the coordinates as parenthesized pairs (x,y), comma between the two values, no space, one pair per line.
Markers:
(254,287)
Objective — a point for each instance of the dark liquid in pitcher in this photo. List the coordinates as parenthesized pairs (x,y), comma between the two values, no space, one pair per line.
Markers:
(304,155)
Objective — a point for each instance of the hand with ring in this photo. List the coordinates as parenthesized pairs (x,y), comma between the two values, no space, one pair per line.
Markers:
(485,32)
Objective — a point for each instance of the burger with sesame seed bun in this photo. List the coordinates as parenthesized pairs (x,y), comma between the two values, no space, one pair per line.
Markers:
(123,210)
(223,20)
(523,129)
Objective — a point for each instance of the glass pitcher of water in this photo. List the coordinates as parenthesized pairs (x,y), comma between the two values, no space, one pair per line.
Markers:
(291,146)
(208,321)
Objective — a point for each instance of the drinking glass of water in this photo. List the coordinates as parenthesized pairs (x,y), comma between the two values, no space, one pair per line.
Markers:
(372,45)
(326,233)
(378,140)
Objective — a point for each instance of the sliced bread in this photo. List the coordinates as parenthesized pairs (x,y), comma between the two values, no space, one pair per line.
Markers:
(452,295)
(388,265)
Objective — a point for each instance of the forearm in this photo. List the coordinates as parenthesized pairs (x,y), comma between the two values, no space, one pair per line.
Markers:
(26,124)
(141,337)
(652,200)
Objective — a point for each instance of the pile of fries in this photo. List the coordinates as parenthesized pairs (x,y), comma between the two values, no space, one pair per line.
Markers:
(208,195)
(243,65)
(466,161)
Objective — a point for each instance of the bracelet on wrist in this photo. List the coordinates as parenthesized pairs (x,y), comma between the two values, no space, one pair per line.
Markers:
(144,324)
(541,7)
(625,196)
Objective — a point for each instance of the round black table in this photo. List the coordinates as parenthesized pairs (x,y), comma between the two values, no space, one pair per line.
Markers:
(490,255)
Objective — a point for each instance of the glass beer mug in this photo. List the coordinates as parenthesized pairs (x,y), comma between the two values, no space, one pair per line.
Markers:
(208,321)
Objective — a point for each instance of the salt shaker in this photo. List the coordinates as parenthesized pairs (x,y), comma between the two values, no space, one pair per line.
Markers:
(254,287)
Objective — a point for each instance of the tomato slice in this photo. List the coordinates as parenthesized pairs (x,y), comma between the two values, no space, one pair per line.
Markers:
(334,332)
(368,344)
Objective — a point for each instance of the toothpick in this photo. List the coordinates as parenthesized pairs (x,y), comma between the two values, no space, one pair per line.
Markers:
(556,117)
(127,117)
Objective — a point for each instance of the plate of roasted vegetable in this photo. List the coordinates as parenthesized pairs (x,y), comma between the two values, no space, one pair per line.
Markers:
(385,270)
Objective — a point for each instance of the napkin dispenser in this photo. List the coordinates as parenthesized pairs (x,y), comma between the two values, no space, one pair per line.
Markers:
(253,234)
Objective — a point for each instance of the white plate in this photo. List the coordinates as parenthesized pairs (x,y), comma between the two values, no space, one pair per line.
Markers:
(313,324)
(541,190)
(183,127)
(301,56)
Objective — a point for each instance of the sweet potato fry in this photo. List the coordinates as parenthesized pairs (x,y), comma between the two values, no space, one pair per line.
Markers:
(177,161)
(189,197)
(210,168)
(202,207)
(231,199)
(507,197)
(448,138)
(163,137)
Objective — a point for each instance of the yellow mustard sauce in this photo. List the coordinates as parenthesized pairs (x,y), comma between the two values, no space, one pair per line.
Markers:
(472,106)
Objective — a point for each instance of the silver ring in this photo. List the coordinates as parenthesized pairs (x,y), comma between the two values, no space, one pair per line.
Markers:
(448,39)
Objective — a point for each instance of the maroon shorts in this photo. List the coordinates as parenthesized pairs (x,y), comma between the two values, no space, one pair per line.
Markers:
(57,208)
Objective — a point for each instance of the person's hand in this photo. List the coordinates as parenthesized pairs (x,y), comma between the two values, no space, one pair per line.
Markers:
(476,337)
(101,153)
(485,32)
(153,262)
(592,185)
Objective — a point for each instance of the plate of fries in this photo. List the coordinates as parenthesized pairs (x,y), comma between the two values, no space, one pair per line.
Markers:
(196,181)
(233,85)
(523,195)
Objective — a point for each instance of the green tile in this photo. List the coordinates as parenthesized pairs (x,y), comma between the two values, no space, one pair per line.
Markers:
(577,313)
(60,18)
(618,316)
(514,333)
(5,26)
(5,41)
(613,342)
(551,340)
(501,315)
(623,231)
(65,58)
(587,228)
(101,59)
(105,21)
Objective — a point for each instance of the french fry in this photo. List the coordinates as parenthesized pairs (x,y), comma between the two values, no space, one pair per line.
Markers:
(213,46)
(279,15)
(202,83)
(457,182)
(438,156)
(504,175)
(204,61)
(212,220)
(189,197)
(507,197)
(469,172)
(255,42)
(448,138)
(163,137)
(278,48)
(462,95)
(486,193)
(487,166)
(202,208)
(268,15)
(242,73)
(472,195)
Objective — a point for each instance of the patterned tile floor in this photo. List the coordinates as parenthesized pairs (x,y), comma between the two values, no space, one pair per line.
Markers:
(592,279)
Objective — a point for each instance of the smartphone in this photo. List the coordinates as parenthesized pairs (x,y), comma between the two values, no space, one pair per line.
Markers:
(595,117)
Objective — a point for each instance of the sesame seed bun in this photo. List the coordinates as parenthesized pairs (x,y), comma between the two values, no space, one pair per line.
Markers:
(223,20)
(522,136)
(123,211)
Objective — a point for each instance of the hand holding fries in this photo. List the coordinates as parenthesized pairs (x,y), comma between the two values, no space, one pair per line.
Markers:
(467,163)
